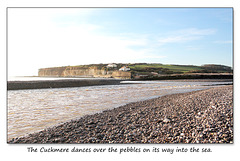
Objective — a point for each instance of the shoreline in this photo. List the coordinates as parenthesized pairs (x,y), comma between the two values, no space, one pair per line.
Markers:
(65,83)
(204,116)
(18,85)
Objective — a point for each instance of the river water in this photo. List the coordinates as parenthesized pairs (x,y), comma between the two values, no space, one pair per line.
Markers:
(33,110)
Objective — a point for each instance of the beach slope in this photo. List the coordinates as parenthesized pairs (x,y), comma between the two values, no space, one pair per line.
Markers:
(197,117)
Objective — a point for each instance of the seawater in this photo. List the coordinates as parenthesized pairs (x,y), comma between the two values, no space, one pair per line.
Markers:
(36,109)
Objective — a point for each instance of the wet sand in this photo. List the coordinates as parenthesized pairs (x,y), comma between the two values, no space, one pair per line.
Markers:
(197,117)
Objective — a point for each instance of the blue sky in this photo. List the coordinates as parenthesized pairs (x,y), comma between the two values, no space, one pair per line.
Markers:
(46,37)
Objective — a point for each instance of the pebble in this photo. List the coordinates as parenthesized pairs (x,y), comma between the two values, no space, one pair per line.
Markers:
(166,120)
(197,117)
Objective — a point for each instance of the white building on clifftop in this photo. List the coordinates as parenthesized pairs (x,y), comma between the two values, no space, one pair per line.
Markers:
(112,65)
(124,69)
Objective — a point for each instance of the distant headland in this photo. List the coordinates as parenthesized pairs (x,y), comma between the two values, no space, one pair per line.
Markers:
(140,71)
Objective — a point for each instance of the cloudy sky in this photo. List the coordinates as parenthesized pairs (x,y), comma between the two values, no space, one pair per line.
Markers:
(47,37)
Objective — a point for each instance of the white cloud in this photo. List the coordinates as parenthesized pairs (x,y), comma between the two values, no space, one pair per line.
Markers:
(195,31)
(178,39)
(185,35)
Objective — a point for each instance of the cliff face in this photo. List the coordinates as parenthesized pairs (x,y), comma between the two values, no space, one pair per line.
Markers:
(79,71)
(121,74)
(57,72)
(70,71)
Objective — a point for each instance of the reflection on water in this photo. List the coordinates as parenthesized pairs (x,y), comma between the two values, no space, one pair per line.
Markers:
(33,110)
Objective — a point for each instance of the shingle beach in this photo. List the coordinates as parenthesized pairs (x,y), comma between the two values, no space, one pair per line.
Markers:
(204,116)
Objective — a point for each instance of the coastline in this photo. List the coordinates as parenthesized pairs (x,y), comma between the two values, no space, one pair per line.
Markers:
(18,85)
(64,83)
(204,116)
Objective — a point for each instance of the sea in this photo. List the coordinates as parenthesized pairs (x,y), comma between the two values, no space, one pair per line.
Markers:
(33,110)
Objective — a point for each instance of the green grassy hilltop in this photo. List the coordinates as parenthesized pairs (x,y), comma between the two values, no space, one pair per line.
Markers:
(179,69)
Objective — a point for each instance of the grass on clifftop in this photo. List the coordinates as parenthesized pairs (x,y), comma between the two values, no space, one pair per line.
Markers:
(173,68)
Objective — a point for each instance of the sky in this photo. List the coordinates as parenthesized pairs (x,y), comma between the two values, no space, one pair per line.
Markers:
(49,37)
